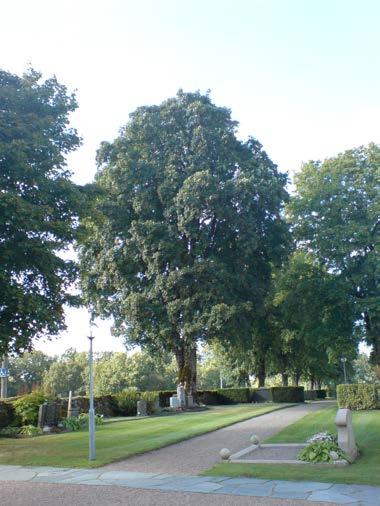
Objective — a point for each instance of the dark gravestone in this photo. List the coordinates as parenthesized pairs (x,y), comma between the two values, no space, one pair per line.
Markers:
(48,415)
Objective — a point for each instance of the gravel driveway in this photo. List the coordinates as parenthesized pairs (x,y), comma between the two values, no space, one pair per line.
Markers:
(200,453)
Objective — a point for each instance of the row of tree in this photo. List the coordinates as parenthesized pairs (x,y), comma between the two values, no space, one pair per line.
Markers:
(116,372)
(187,236)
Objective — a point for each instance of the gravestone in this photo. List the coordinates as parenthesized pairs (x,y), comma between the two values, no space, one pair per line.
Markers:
(189,401)
(48,415)
(181,396)
(346,437)
(142,408)
(174,402)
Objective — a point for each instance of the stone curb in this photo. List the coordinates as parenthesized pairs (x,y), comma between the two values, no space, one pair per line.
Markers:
(356,495)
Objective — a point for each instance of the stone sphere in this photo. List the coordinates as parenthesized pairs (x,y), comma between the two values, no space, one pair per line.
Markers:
(334,455)
(225,453)
(254,439)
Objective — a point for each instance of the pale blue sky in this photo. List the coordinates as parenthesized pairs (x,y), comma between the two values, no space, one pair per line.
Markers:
(300,75)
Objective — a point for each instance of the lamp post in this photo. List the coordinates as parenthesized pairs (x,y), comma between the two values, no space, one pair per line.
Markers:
(91,411)
(344,360)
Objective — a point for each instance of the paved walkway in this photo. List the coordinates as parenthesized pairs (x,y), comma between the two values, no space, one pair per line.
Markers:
(202,452)
(273,490)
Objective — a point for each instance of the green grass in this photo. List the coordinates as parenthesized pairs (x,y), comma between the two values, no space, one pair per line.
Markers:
(120,439)
(365,470)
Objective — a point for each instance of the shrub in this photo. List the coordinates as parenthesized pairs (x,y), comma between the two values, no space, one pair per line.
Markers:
(321,394)
(26,408)
(7,414)
(287,394)
(9,431)
(30,431)
(126,402)
(310,395)
(71,423)
(208,397)
(357,396)
(320,451)
(152,401)
(164,397)
(234,395)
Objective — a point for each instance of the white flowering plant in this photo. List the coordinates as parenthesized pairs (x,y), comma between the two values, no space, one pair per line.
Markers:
(322,437)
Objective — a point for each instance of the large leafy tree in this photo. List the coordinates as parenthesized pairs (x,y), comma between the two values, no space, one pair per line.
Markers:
(335,213)
(26,372)
(314,318)
(180,245)
(39,206)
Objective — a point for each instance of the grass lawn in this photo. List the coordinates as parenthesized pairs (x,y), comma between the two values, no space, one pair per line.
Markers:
(365,470)
(120,439)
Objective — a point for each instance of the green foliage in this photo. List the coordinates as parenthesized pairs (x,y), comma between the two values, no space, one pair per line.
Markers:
(126,402)
(359,396)
(26,407)
(321,394)
(69,372)
(335,214)
(320,452)
(7,414)
(30,431)
(71,423)
(26,371)
(313,319)
(84,419)
(364,371)
(9,431)
(287,394)
(186,228)
(39,208)
(310,395)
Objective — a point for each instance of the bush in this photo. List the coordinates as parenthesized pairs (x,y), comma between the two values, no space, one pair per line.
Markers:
(287,394)
(321,451)
(26,408)
(321,394)
(164,397)
(208,397)
(357,396)
(7,414)
(234,395)
(30,431)
(310,395)
(9,431)
(152,401)
(126,402)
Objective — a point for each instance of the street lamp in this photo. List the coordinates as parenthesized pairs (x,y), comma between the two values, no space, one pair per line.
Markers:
(344,360)
(91,411)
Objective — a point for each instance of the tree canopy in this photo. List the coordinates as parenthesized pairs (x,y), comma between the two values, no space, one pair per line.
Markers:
(181,243)
(335,213)
(39,208)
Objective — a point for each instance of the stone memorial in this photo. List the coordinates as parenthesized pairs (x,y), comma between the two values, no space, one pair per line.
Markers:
(142,408)
(181,395)
(346,437)
(174,403)
(48,415)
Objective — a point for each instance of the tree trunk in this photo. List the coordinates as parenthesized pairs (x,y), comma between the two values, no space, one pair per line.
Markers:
(285,379)
(186,358)
(319,384)
(296,379)
(312,383)
(261,375)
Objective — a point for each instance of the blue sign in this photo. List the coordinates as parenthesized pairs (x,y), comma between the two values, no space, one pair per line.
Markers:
(4,373)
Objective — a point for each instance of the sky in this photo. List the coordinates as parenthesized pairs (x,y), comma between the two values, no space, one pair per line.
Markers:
(302,76)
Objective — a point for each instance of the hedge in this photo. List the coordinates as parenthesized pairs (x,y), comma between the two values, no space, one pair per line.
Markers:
(357,396)
(7,414)
(310,395)
(288,394)
(321,394)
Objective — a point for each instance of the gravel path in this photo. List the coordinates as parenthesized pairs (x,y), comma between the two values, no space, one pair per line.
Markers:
(43,494)
(200,453)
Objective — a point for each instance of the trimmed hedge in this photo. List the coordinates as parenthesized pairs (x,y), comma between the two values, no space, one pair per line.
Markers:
(321,394)
(357,396)
(223,396)
(288,394)
(7,414)
(310,395)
